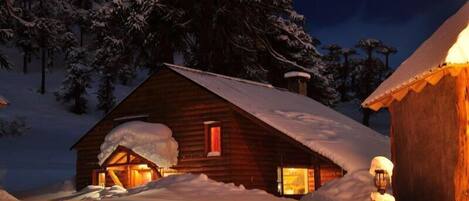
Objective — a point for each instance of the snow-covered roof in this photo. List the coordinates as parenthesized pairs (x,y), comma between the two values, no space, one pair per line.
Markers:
(152,141)
(447,47)
(325,131)
(297,74)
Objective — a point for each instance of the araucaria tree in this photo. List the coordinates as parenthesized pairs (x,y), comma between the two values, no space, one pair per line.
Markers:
(369,72)
(78,76)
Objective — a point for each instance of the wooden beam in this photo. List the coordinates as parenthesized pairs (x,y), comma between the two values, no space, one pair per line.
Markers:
(114,178)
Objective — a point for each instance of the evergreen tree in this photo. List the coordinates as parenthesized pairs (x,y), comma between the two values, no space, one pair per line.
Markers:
(106,99)
(237,38)
(48,26)
(387,51)
(77,79)
(345,73)
(332,61)
(369,73)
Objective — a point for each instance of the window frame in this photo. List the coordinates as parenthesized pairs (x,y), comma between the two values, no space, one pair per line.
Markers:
(208,138)
(281,184)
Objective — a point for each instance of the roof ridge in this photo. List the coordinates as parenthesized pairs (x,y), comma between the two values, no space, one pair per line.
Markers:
(222,76)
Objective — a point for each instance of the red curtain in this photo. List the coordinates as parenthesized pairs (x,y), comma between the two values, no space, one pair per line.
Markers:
(215,139)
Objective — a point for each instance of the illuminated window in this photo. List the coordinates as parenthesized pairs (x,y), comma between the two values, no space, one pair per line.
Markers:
(102,179)
(293,181)
(213,136)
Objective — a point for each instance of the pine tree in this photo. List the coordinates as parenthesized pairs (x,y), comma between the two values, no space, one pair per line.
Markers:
(345,73)
(126,74)
(237,38)
(77,79)
(106,99)
(332,61)
(48,26)
(6,30)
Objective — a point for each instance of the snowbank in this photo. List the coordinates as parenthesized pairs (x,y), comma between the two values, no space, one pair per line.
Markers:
(355,186)
(5,196)
(382,163)
(193,187)
(152,141)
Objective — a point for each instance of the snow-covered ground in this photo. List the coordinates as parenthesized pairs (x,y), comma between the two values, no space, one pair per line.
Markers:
(5,196)
(42,155)
(193,187)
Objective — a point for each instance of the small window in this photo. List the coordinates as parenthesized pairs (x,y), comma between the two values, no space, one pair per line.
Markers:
(294,181)
(213,138)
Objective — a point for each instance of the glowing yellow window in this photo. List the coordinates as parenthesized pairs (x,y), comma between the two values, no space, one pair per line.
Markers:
(293,181)
(102,179)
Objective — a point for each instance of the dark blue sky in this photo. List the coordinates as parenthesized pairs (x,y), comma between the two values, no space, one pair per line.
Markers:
(404,24)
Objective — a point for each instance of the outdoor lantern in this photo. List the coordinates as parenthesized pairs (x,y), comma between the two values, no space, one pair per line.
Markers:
(381,180)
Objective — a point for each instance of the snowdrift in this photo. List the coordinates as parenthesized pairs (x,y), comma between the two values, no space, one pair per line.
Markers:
(5,196)
(193,187)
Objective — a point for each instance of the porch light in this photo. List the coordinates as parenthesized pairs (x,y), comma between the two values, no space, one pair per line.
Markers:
(381,180)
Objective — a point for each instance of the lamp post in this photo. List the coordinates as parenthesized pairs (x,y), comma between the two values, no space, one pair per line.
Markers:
(381,180)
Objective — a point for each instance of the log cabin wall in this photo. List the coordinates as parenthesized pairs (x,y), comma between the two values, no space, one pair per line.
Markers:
(257,152)
(251,153)
(183,106)
(425,128)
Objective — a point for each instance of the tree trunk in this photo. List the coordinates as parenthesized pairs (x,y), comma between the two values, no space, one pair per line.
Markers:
(343,90)
(366,117)
(25,62)
(81,36)
(43,72)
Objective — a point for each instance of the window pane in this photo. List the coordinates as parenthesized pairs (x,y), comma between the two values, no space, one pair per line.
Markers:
(215,139)
(102,179)
(295,181)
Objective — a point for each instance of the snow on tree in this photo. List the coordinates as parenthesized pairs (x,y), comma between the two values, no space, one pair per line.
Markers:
(106,99)
(78,76)
(237,38)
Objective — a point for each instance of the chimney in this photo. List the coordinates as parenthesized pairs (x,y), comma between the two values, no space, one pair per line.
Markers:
(298,82)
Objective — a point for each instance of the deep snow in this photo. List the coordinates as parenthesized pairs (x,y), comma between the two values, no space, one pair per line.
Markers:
(193,187)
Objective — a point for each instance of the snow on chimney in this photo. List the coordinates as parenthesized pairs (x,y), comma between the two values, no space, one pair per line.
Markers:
(297,82)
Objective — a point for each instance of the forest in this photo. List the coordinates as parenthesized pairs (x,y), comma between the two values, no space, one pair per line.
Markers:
(110,41)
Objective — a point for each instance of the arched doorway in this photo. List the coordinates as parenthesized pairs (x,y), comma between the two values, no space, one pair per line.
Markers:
(125,168)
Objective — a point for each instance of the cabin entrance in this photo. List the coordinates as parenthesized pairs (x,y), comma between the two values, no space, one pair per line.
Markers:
(125,168)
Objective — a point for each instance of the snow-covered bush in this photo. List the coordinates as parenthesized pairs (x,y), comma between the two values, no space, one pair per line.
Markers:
(14,127)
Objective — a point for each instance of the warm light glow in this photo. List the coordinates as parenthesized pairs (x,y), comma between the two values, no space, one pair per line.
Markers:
(295,181)
(215,139)
(102,179)
(459,53)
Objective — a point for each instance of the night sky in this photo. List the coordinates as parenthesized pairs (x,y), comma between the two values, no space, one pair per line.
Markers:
(404,24)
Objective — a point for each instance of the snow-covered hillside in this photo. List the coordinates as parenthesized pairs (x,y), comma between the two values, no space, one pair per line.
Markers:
(42,155)
(193,187)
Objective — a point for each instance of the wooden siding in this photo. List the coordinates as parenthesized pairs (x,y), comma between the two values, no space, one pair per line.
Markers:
(251,151)
(425,128)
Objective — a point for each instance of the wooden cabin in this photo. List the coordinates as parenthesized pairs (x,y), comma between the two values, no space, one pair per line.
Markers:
(428,99)
(232,130)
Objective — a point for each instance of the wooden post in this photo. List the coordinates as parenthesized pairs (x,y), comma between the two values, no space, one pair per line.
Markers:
(317,176)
